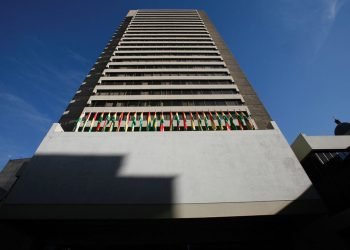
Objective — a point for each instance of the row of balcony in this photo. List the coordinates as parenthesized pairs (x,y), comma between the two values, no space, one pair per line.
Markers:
(160,121)
(165,103)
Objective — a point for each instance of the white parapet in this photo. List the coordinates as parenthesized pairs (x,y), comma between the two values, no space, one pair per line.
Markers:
(162,175)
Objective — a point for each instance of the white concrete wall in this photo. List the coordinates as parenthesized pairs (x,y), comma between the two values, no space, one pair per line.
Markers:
(229,173)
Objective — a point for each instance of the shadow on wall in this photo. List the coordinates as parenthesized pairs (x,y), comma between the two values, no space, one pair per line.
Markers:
(80,183)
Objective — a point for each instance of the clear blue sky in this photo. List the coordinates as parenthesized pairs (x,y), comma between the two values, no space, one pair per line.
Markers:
(296,54)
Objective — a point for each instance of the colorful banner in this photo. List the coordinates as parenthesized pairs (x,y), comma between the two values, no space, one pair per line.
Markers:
(212,121)
(154,125)
(99,122)
(226,121)
(219,121)
(162,123)
(149,124)
(185,121)
(234,120)
(108,118)
(121,116)
(192,122)
(113,121)
(133,122)
(171,125)
(199,121)
(127,119)
(141,121)
(177,118)
(92,122)
(77,125)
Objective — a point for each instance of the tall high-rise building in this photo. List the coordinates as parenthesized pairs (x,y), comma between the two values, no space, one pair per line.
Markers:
(165,144)
(166,62)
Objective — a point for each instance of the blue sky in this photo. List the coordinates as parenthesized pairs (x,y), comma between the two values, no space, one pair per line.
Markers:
(296,54)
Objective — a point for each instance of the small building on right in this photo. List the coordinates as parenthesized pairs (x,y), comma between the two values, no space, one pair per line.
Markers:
(326,160)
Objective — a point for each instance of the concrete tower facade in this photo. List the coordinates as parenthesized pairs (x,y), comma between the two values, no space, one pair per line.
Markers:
(165,62)
(165,127)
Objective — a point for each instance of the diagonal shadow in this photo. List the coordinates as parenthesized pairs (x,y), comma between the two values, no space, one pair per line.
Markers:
(78,183)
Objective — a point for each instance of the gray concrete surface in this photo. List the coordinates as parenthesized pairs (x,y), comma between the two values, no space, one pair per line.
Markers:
(220,170)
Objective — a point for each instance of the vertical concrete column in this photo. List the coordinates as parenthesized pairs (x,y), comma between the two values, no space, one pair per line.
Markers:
(257,109)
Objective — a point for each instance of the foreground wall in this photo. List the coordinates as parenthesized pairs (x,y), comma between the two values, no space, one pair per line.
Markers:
(161,175)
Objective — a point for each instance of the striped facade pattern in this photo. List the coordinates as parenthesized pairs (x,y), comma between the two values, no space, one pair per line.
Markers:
(165,62)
